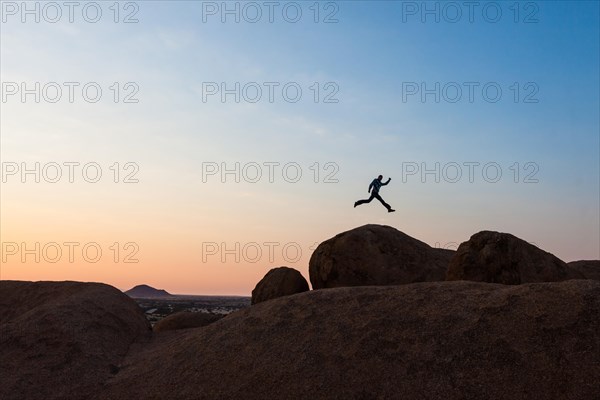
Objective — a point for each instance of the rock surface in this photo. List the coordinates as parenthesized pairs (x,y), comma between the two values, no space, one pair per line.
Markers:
(278,282)
(497,257)
(185,320)
(376,255)
(440,340)
(590,269)
(61,340)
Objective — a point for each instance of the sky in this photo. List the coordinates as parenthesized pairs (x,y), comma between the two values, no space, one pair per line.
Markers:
(193,146)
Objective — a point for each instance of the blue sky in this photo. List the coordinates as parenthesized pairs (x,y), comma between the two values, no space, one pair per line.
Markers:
(368,54)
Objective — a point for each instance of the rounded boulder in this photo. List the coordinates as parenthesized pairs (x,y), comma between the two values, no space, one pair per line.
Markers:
(497,257)
(376,255)
(278,282)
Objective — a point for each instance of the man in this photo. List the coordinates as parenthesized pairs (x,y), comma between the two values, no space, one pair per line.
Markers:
(376,185)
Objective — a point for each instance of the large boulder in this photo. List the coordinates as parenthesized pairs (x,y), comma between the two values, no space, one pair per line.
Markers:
(434,340)
(62,340)
(375,255)
(498,257)
(185,320)
(590,269)
(281,281)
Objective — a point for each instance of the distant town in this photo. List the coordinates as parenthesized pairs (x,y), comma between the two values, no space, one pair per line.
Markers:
(158,303)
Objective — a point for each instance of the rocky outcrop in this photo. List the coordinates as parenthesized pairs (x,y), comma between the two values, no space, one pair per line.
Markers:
(440,340)
(62,340)
(278,282)
(375,255)
(185,320)
(590,269)
(497,257)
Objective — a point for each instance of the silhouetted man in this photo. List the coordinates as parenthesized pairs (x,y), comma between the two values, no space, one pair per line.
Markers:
(376,185)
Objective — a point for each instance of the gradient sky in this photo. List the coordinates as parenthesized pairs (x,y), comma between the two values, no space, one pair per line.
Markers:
(372,54)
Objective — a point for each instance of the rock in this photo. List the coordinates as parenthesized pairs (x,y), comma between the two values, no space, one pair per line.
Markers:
(375,255)
(185,320)
(282,281)
(62,340)
(433,340)
(497,257)
(590,269)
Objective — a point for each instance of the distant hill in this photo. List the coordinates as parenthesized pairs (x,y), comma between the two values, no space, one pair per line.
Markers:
(145,291)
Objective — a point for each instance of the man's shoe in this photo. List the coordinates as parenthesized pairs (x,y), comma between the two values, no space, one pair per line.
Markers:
(391,210)
(355,204)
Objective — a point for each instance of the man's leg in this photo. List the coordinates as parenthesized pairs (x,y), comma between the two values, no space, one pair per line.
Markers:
(359,202)
(386,205)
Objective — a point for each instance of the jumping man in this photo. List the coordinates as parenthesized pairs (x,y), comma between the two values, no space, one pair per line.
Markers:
(376,185)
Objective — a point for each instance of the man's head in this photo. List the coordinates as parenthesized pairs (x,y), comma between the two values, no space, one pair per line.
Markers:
(380,177)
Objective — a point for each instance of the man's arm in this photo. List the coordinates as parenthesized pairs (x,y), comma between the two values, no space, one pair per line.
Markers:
(370,186)
(388,181)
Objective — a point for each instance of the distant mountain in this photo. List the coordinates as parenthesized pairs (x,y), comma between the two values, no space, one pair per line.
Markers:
(145,291)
